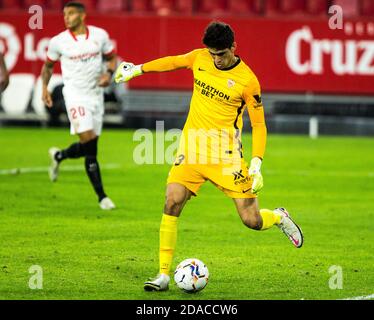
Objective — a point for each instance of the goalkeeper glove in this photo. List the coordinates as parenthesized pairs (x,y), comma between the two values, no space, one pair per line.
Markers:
(126,71)
(255,173)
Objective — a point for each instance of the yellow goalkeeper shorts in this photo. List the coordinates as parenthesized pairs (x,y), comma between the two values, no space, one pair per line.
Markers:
(232,179)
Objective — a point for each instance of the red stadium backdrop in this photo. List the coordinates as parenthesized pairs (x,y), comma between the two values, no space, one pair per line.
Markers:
(293,56)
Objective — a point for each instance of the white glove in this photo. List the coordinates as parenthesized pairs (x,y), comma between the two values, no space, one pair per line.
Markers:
(255,173)
(126,71)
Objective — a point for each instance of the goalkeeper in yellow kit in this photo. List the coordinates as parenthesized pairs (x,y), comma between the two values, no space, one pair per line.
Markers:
(210,147)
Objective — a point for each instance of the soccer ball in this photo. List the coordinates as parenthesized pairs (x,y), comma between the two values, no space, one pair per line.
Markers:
(191,275)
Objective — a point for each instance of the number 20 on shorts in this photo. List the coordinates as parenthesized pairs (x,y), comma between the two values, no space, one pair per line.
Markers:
(77,110)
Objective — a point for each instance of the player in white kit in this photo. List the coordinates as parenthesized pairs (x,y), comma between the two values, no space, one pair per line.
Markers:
(82,51)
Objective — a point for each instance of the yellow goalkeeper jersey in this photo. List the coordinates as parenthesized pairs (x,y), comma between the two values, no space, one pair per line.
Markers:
(220,96)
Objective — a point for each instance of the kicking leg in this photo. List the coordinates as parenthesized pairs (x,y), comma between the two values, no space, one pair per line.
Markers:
(254,218)
(176,197)
(263,219)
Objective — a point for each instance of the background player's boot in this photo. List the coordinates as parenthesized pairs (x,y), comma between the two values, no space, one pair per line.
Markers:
(290,228)
(107,204)
(160,283)
(53,168)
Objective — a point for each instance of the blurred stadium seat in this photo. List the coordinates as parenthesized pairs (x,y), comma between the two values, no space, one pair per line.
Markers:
(54,5)
(317,7)
(243,7)
(212,7)
(292,7)
(163,7)
(295,7)
(10,4)
(350,7)
(111,6)
(29,3)
(271,7)
(184,7)
(367,8)
(140,6)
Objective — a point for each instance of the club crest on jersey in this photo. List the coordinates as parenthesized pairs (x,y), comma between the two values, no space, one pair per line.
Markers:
(230,83)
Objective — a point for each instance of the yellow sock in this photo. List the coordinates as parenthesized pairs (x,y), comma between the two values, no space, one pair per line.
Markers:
(168,240)
(269,218)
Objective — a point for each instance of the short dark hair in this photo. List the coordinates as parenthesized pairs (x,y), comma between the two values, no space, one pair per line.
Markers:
(218,35)
(75,4)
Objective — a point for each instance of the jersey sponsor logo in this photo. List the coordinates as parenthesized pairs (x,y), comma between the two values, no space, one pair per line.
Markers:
(242,181)
(84,57)
(238,174)
(239,177)
(211,91)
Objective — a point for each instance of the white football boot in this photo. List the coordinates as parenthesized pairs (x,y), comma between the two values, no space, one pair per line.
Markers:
(290,228)
(53,168)
(160,283)
(107,204)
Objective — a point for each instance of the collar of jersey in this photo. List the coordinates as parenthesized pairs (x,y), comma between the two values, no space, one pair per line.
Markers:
(231,67)
(74,36)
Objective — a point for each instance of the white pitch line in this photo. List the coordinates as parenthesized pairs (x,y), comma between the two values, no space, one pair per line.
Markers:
(369,297)
(15,171)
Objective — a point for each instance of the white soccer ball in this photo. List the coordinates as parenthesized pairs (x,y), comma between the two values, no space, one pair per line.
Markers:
(191,275)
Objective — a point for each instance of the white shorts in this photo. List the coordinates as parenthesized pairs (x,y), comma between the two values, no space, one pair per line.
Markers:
(85,115)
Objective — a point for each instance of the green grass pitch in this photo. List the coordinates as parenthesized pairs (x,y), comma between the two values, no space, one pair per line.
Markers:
(327,184)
